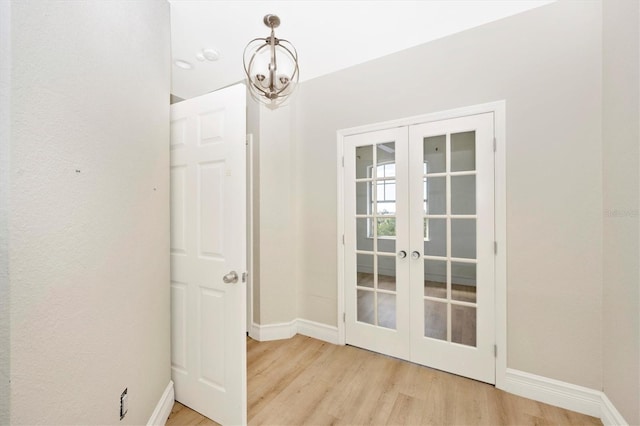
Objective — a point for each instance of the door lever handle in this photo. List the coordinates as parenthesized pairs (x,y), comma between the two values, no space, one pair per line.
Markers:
(230,278)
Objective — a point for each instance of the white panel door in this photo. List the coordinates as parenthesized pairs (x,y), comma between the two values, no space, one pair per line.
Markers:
(419,244)
(208,254)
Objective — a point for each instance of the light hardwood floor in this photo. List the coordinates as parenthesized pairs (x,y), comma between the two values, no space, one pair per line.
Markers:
(303,381)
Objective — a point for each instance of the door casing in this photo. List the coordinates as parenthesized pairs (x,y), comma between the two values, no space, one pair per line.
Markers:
(498,109)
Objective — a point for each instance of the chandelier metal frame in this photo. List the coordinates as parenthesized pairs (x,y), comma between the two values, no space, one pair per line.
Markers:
(271,88)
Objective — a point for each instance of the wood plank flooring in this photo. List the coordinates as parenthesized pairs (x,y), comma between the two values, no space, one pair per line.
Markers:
(303,381)
(181,415)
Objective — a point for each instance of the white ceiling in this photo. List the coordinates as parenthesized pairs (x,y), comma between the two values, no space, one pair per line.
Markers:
(328,35)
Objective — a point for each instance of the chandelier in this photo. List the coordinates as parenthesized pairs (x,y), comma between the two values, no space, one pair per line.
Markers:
(271,66)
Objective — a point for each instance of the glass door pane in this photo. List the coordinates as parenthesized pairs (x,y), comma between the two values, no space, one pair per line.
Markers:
(449,179)
(376,234)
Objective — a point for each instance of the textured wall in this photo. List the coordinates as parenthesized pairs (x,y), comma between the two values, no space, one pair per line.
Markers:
(621,203)
(5,61)
(89,210)
(546,64)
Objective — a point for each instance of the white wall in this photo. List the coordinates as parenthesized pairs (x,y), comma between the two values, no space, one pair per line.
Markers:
(621,204)
(89,210)
(546,64)
(274,208)
(253,128)
(5,61)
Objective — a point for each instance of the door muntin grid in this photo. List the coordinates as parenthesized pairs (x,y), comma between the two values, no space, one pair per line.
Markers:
(449,258)
(376,209)
(432,224)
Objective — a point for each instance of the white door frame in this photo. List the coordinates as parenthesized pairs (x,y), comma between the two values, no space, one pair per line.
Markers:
(250,216)
(498,109)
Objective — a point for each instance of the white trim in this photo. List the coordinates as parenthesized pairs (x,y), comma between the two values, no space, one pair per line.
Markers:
(562,394)
(610,415)
(340,241)
(279,331)
(550,391)
(498,108)
(254,331)
(250,217)
(318,331)
(424,118)
(500,229)
(287,330)
(163,408)
(565,395)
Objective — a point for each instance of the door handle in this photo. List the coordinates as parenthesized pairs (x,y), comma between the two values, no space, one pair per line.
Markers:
(415,255)
(230,278)
(402,254)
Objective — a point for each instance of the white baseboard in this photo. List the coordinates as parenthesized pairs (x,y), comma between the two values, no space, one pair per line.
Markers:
(554,392)
(562,394)
(326,333)
(163,409)
(610,415)
(279,331)
(287,330)
(254,331)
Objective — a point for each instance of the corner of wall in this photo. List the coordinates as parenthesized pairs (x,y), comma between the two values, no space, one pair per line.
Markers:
(621,206)
(296,188)
(163,408)
(276,229)
(287,330)
(253,128)
(565,395)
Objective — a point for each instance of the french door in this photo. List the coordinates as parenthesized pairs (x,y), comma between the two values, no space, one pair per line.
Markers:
(419,244)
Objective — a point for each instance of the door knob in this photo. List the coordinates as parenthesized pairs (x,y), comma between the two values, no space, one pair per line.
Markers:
(230,278)
(402,254)
(415,255)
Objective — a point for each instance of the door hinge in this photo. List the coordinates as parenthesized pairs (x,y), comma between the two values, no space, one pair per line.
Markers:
(342,161)
(495,247)
(495,351)
(344,317)
(342,239)
(495,145)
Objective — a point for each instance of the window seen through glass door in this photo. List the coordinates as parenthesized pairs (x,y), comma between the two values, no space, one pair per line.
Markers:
(384,186)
